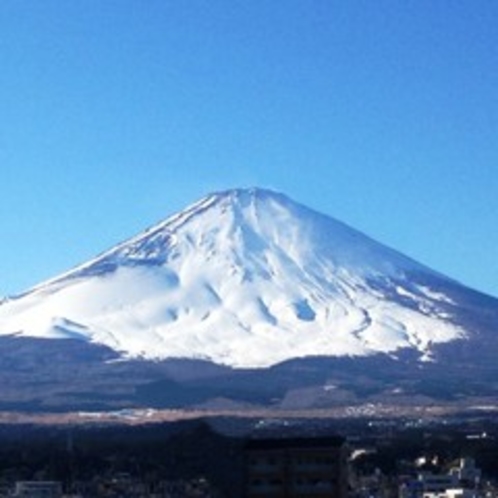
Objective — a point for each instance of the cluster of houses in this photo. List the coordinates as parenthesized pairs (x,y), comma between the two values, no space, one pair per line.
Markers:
(120,486)
(461,481)
(288,467)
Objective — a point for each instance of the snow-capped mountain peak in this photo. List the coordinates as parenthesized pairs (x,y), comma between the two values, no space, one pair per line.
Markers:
(240,219)
(246,278)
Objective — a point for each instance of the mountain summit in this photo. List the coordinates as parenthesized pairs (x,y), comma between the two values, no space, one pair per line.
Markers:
(245,278)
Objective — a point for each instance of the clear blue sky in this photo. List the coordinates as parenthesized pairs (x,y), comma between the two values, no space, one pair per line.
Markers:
(115,114)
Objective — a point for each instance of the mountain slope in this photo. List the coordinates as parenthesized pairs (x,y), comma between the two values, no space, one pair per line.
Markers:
(246,278)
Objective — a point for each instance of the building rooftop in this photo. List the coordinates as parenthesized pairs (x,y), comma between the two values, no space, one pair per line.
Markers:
(294,442)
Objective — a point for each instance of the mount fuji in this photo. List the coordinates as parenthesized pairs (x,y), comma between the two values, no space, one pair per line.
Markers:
(245,280)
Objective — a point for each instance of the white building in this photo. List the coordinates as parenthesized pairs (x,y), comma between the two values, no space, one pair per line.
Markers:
(453,493)
(38,489)
(461,481)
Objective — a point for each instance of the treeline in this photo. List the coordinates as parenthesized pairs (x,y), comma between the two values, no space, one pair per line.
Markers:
(151,453)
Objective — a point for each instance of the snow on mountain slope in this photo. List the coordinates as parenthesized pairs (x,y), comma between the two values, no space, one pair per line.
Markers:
(246,278)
